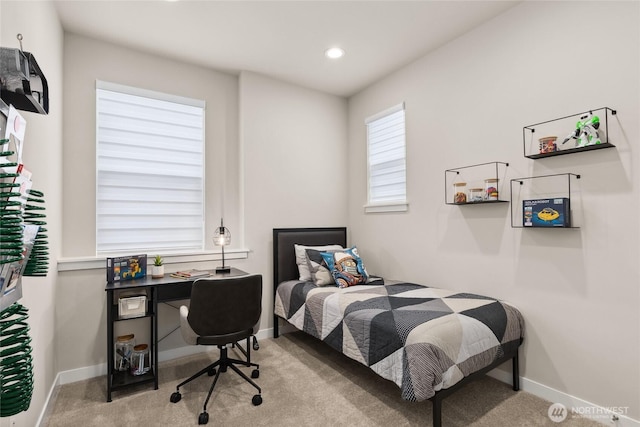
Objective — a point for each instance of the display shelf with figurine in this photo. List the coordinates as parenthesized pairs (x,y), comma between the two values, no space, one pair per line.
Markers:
(585,131)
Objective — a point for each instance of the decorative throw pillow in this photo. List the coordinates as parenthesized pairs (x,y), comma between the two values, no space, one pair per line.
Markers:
(301,258)
(320,272)
(346,266)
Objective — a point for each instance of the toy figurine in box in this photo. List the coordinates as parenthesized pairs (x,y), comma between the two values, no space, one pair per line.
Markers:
(546,212)
(126,268)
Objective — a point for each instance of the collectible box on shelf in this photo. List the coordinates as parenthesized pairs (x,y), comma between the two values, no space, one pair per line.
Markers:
(126,268)
(553,212)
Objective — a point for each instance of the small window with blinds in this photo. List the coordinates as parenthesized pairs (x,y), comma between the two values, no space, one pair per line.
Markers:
(386,161)
(150,171)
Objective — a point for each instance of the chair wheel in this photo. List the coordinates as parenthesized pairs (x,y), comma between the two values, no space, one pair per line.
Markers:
(257,400)
(256,346)
(255,373)
(175,397)
(211,372)
(203,418)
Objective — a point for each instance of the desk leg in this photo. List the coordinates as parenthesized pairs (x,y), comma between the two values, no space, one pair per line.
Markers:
(154,334)
(110,350)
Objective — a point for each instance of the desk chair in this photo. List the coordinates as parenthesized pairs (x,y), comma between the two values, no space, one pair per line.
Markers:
(221,313)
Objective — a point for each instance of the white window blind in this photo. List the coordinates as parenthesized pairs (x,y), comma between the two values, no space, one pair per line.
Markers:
(150,171)
(387,157)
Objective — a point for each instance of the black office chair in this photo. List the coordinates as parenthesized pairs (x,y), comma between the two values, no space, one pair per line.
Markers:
(222,312)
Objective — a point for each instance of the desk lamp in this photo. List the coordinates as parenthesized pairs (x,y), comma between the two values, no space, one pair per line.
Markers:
(222,237)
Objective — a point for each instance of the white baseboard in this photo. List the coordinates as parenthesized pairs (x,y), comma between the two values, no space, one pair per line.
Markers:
(48,403)
(579,407)
(584,409)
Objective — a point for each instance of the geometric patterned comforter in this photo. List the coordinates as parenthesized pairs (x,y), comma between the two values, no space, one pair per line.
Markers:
(423,339)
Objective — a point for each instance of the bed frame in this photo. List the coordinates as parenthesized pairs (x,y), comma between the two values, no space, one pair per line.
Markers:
(285,268)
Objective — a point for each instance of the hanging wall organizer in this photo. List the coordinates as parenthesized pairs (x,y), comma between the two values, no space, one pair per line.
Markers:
(23,244)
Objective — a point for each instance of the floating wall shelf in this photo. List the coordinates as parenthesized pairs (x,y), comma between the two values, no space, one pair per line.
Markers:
(562,128)
(481,176)
(538,192)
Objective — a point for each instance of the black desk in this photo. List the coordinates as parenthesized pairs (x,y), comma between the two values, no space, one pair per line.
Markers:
(157,291)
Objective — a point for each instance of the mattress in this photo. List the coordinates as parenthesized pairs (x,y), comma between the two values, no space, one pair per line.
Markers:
(422,338)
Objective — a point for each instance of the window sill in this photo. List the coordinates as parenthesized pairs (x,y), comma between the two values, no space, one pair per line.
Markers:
(90,263)
(387,207)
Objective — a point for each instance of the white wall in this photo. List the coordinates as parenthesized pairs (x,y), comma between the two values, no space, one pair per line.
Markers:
(275,121)
(466,103)
(87,60)
(294,154)
(81,293)
(42,33)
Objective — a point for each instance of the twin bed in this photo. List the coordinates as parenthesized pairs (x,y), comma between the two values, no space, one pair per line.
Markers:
(429,341)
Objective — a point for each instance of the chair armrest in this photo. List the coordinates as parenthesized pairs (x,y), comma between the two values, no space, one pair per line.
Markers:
(189,336)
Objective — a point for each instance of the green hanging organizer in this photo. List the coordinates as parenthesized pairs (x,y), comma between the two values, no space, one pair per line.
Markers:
(23,244)
(16,362)
(38,263)
(10,213)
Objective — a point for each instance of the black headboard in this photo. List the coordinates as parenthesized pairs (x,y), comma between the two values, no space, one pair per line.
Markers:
(284,256)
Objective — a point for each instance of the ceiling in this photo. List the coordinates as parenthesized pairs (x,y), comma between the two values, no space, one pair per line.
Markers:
(283,39)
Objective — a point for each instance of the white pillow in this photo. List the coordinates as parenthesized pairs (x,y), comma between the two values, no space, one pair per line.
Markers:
(301,259)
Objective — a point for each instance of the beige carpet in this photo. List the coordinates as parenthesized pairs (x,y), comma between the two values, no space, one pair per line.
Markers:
(304,383)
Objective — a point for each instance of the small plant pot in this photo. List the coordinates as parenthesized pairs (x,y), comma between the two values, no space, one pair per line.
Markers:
(157,271)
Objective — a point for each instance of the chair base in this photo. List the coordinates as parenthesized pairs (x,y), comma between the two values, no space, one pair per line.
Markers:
(216,368)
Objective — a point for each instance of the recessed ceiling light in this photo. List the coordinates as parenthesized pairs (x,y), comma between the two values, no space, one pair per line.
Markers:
(334,53)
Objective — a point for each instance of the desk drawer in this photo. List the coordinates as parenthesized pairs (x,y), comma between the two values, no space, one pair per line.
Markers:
(174,292)
(130,307)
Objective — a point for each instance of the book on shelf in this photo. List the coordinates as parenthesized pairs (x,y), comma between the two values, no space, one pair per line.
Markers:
(126,268)
(191,274)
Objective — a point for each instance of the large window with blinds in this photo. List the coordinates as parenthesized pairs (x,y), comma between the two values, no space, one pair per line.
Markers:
(150,171)
(386,160)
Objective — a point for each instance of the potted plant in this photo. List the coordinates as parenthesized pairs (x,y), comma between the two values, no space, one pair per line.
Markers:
(157,270)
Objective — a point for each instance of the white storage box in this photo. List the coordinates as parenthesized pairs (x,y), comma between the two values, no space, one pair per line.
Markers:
(133,306)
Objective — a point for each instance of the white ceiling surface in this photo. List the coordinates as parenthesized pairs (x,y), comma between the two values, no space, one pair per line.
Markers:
(283,39)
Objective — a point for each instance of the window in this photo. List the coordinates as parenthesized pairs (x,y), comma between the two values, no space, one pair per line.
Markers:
(386,158)
(150,171)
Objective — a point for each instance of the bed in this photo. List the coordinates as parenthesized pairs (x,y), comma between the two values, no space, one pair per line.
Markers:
(429,341)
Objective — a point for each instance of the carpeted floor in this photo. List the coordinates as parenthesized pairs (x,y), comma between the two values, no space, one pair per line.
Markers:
(304,383)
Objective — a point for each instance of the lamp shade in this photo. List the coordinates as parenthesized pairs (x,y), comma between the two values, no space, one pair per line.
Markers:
(222,236)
